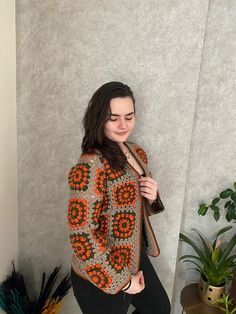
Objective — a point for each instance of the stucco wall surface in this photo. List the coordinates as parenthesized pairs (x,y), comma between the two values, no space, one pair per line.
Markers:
(212,162)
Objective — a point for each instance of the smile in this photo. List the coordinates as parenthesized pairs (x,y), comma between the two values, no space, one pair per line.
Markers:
(122,133)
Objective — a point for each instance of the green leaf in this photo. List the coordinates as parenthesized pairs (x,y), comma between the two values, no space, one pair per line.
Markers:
(220,232)
(189,256)
(228,249)
(194,269)
(207,250)
(198,266)
(226,193)
(227,204)
(202,209)
(214,208)
(198,250)
(231,207)
(229,216)
(223,230)
(215,200)
(233,196)
(235,185)
(216,216)
(230,212)
(215,255)
(234,310)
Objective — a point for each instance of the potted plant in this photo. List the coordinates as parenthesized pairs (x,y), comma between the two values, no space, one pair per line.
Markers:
(215,263)
(226,304)
(228,197)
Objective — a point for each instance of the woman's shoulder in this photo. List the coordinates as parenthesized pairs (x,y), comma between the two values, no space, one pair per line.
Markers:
(134,145)
(87,163)
(92,158)
(136,148)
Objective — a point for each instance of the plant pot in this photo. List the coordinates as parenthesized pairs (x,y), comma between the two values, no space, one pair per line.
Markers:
(210,294)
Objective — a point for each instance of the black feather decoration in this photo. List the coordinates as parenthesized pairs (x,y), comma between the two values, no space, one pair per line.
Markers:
(14,298)
(45,290)
(13,293)
(62,289)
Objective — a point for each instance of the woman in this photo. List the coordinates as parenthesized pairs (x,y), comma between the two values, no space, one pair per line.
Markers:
(112,195)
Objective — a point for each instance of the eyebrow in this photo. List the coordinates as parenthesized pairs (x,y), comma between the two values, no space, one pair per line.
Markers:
(117,115)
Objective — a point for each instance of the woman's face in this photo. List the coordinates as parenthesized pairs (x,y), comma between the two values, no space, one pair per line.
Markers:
(121,121)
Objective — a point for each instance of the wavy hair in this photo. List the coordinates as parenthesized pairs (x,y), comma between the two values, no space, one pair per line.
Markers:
(96,115)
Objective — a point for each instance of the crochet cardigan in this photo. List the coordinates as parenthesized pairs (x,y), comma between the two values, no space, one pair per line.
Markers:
(105,216)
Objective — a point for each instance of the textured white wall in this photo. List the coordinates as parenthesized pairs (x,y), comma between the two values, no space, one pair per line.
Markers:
(8,193)
(212,162)
(65,50)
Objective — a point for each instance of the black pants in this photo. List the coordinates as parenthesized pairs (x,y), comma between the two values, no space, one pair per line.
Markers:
(151,300)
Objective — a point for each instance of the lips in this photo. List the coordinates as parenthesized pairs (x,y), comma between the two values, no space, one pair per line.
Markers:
(121,133)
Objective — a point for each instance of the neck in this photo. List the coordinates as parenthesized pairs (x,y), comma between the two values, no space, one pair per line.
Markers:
(122,146)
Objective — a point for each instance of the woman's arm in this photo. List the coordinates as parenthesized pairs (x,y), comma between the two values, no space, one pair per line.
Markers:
(148,188)
(88,223)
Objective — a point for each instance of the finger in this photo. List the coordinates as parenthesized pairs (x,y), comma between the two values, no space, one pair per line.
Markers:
(149,179)
(146,189)
(145,178)
(148,194)
(146,183)
(142,285)
(149,184)
(142,280)
(140,274)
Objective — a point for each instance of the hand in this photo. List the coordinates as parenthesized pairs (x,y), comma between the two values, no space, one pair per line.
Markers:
(148,188)
(137,283)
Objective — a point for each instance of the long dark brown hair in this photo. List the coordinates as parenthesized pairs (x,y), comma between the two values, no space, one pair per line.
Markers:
(96,115)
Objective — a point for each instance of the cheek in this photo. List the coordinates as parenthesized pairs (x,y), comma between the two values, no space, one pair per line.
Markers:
(132,124)
(108,127)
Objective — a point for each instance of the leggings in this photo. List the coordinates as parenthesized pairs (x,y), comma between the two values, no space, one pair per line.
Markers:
(151,300)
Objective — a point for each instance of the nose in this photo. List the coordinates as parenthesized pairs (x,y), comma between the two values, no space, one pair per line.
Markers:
(123,124)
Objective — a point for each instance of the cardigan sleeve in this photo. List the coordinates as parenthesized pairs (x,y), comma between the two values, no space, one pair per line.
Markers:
(157,206)
(89,223)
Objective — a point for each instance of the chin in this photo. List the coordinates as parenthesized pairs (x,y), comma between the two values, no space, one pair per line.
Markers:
(121,139)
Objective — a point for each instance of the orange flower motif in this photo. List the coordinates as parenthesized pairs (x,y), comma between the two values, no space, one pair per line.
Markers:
(120,256)
(142,154)
(123,225)
(103,223)
(125,194)
(99,276)
(79,177)
(112,174)
(81,246)
(105,202)
(96,211)
(100,238)
(78,212)
(100,182)
(100,234)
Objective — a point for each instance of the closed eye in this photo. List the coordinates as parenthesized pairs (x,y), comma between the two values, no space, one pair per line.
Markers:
(128,117)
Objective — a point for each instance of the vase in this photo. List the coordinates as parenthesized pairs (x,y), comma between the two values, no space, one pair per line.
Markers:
(209,294)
